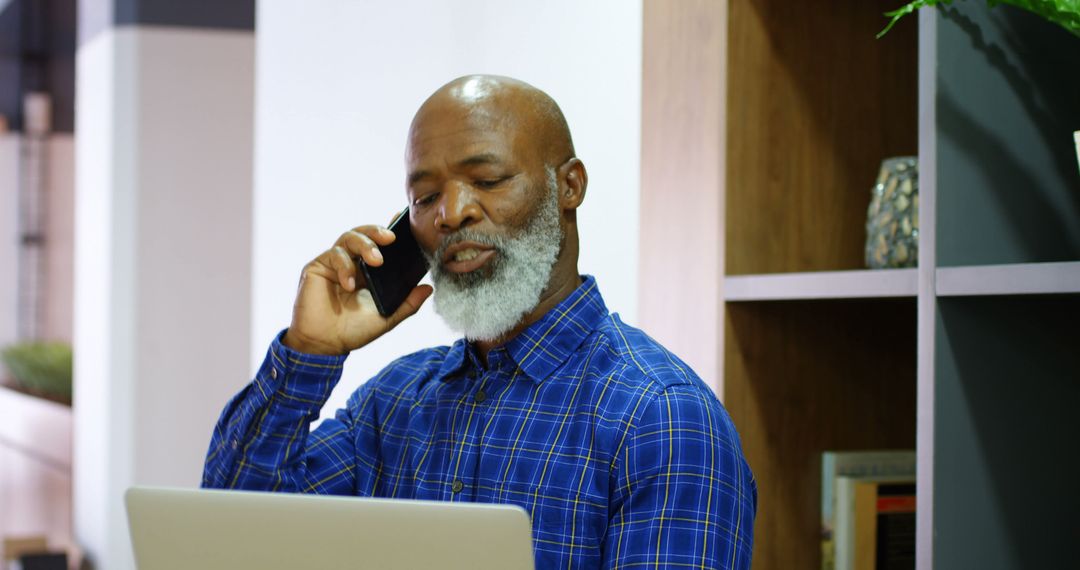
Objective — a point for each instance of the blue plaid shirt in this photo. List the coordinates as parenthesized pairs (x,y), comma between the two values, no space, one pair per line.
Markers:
(623,457)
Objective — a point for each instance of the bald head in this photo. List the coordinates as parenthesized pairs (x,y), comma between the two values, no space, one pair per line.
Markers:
(503,103)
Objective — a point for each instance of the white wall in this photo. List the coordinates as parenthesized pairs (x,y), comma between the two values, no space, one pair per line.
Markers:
(163,229)
(337,83)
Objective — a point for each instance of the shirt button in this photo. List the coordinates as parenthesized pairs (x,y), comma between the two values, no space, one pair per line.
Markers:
(234,444)
(457,486)
(273,373)
(480,397)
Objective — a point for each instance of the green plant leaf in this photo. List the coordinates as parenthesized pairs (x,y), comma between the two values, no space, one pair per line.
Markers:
(906,9)
(1065,13)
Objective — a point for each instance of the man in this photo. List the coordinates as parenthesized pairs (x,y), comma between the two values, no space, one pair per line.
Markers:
(620,453)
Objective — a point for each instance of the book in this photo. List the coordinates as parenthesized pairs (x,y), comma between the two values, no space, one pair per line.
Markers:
(855,516)
(836,464)
(884,525)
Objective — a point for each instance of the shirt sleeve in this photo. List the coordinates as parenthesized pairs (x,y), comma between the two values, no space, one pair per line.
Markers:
(683,495)
(262,440)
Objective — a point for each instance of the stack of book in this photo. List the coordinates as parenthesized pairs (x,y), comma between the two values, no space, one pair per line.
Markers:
(868,510)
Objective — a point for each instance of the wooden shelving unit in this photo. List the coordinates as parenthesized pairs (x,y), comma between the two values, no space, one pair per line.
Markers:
(973,358)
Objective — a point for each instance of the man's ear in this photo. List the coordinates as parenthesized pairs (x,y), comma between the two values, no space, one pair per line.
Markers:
(574,180)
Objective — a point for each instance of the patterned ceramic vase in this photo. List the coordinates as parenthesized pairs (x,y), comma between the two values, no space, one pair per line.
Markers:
(892,221)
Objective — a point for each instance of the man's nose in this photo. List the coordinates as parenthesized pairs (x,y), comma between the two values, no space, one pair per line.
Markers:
(458,207)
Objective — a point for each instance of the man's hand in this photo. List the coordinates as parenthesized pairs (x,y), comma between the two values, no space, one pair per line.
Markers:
(334,312)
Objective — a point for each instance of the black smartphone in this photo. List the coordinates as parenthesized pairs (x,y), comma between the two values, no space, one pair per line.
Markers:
(403,267)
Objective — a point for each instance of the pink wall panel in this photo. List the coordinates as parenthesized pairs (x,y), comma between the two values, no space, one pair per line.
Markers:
(682,175)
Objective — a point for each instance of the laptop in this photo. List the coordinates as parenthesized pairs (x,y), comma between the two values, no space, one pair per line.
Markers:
(211,530)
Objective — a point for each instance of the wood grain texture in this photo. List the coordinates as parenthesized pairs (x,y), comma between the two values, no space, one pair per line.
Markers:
(682,165)
(814,104)
(803,377)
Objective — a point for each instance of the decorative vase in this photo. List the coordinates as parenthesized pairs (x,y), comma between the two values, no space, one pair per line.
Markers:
(892,221)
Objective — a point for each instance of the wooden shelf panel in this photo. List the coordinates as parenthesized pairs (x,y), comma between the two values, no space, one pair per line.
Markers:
(1013,279)
(814,104)
(883,283)
(802,377)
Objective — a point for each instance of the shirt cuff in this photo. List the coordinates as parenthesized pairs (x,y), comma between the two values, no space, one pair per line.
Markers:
(299,379)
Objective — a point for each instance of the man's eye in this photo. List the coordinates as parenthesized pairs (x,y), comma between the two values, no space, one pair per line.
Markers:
(490,182)
(425,199)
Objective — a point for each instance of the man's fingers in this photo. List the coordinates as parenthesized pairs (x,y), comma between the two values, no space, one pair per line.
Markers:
(342,264)
(360,242)
(380,234)
(363,246)
(412,303)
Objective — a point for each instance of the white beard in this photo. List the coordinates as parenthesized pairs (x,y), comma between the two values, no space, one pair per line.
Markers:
(487,303)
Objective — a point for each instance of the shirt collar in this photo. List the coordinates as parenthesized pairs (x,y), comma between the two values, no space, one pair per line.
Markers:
(454,360)
(545,345)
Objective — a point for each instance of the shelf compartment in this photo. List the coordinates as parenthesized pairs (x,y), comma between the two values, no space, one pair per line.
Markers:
(822,285)
(814,104)
(1006,107)
(803,377)
(1014,279)
(1007,389)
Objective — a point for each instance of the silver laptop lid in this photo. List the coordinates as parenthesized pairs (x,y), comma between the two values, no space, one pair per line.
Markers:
(173,529)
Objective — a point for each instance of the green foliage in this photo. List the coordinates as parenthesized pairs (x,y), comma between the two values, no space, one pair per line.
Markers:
(43,367)
(1065,13)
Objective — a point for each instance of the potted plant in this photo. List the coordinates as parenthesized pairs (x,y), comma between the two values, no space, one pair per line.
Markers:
(1065,13)
(41,369)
